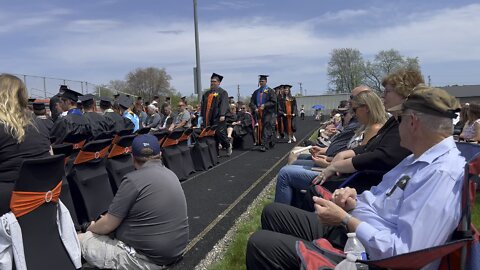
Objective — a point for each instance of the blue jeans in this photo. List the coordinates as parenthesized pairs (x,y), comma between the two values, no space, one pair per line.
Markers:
(290,179)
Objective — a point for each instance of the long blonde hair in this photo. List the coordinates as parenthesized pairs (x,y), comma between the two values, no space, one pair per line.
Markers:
(13,106)
(377,114)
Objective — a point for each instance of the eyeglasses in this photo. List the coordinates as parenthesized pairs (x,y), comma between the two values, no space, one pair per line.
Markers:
(243,109)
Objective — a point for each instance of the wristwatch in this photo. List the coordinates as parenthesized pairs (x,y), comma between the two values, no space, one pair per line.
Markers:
(345,220)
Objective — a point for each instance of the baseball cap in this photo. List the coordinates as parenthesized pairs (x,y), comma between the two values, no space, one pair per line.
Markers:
(145,145)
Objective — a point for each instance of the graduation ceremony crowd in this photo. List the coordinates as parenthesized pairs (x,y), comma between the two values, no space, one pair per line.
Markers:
(400,146)
(118,225)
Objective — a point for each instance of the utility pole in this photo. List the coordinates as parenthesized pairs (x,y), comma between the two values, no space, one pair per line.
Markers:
(197,52)
(301,89)
(429,80)
(238,92)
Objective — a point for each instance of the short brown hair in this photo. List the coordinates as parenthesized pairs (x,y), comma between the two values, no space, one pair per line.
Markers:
(403,81)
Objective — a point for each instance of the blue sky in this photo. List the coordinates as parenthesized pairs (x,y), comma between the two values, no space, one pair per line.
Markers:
(101,40)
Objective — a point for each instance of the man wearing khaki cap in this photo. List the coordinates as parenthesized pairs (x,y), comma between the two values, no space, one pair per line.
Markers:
(416,206)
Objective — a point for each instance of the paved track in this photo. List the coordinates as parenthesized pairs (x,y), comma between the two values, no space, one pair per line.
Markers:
(217,197)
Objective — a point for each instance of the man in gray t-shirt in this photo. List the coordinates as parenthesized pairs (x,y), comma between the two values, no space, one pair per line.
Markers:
(148,216)
(183,118)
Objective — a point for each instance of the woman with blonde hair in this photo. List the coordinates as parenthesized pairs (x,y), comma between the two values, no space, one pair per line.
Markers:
(370,112)
(20,138)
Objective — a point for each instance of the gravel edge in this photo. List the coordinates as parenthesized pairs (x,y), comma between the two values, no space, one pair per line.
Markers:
(221,246)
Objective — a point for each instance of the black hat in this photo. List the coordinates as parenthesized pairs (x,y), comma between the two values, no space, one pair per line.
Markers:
(31,100)
(262,77)
(72,95)
(231,97)
(105,102)
(167,98)
(38,106)
(217,76)
(287,85)
(116,95)
(183,98)
(125,101)
(87,100)
(63,87)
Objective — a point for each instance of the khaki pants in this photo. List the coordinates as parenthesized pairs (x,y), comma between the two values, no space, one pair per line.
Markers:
(103,252)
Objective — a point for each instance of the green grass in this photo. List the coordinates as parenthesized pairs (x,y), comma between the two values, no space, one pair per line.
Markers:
(476,212)
(234,257)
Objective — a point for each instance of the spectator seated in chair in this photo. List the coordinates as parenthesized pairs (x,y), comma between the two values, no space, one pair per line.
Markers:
(416,205)
(148,217)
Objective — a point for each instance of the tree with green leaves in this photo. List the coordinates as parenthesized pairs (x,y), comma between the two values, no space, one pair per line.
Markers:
(148,82)
(384,63)
(345,70)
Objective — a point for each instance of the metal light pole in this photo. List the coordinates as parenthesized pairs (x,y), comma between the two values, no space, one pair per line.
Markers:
(198,85)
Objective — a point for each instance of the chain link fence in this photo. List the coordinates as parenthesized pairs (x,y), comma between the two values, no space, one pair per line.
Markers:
(46,87)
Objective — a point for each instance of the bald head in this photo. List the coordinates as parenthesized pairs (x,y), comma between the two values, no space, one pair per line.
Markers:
(361,88)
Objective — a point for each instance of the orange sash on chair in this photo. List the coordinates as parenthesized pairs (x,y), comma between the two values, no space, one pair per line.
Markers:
(288,107)
(24,202)
(209,106)
(78,145)
(85,156)
(169,142)
(118,150)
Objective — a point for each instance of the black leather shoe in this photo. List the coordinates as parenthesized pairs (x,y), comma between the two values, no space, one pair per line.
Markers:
(263,149)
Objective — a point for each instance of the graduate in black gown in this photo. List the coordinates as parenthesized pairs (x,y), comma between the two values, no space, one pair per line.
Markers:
(116,120)
(74,124)
(214,109)
(280,116)
(43,121)
(100,127)
(289,110)
(263,104)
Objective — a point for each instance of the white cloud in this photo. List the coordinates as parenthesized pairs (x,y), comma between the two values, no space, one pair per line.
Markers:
(232,5)
(242,48)
(10,22)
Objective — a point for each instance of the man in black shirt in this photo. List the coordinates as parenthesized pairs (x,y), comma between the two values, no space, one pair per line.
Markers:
(44,122)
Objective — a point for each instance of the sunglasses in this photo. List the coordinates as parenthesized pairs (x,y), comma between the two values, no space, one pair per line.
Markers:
(243,108)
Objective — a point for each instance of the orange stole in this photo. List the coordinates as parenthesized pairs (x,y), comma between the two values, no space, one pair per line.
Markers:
(288,107)
(24,202)
(210,98)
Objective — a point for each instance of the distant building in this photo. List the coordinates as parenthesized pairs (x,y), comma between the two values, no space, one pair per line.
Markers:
(329,101)
(465,93)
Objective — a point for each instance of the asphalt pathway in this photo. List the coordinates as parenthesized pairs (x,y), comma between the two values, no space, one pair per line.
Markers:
(215,198)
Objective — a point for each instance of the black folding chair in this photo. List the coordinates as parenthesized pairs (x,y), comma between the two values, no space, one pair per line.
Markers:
(144,130)
(185,149)
(119,161)
(89,182)
(43,247)
(200,152)
(171,154)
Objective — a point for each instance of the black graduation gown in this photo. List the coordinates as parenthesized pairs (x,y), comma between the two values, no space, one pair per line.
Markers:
(99,125)
(245,126)
(70,125)
(218,108)
(44,124)
(119,122)
(294,110)
(268,119)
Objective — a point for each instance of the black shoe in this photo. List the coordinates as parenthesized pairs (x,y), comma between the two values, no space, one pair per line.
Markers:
(271,144)
(263,149)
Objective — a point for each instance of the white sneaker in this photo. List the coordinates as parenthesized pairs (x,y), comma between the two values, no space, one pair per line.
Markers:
(229,150)
(289,141)
(294,139)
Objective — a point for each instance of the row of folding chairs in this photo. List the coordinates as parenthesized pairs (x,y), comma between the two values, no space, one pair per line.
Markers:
(95,170)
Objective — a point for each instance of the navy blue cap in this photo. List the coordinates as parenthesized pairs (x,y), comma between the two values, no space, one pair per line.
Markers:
(145,145)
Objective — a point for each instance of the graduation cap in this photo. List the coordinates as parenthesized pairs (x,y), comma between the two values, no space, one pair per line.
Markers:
(287,85)
(31,101)
(183,98)
(87,99)
(262,77)
(125,101)
(105,102)
(231,97)
(63,87)
(167,98)
(71,95)
(116,95)
(217,76)
(39,106)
